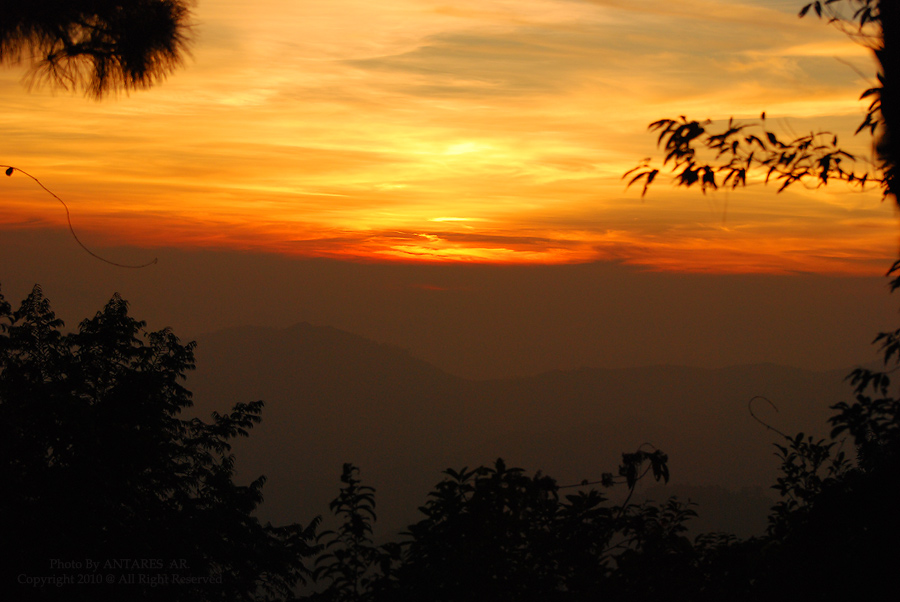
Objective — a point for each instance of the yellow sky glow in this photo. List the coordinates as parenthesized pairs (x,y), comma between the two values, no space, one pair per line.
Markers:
(476,131)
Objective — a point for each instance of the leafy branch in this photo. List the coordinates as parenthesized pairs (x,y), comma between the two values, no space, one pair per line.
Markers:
(731,155)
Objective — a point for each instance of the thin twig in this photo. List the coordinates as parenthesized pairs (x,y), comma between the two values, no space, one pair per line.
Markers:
(9,172)
(757,418)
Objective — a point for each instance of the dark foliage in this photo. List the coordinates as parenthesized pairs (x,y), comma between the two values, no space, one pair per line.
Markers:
(349,555)
(833,535)
(734,153)
(497,533)
(97,45)
(97,464)
(714,157)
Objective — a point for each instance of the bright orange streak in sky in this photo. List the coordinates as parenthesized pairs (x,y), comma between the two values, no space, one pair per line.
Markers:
(482,131)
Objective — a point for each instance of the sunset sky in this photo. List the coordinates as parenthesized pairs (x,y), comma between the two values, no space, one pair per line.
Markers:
(447,177)
(477,130)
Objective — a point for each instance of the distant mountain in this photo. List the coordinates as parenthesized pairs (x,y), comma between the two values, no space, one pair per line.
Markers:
(334,397)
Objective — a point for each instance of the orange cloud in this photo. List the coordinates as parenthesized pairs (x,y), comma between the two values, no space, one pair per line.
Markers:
(412,130)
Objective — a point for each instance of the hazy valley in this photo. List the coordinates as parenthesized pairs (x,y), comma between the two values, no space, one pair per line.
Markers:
(334,397)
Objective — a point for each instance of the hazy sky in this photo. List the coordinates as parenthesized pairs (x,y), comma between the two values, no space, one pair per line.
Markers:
(465,131)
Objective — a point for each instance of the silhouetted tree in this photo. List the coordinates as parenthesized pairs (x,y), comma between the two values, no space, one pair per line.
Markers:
(96,464)
(496,533)
(487,535)
(97,45)
(727,156)
(834,534)
(350,560)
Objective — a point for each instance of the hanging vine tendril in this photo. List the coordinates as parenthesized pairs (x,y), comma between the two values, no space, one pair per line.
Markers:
(9,172)
(758,419)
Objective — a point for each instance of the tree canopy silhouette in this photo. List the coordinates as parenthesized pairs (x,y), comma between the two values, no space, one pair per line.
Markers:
(96,45)
(96,463)
(497,533)
(696,152)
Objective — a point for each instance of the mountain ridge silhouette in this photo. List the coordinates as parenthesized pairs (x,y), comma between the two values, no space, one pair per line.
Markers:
(333,396)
